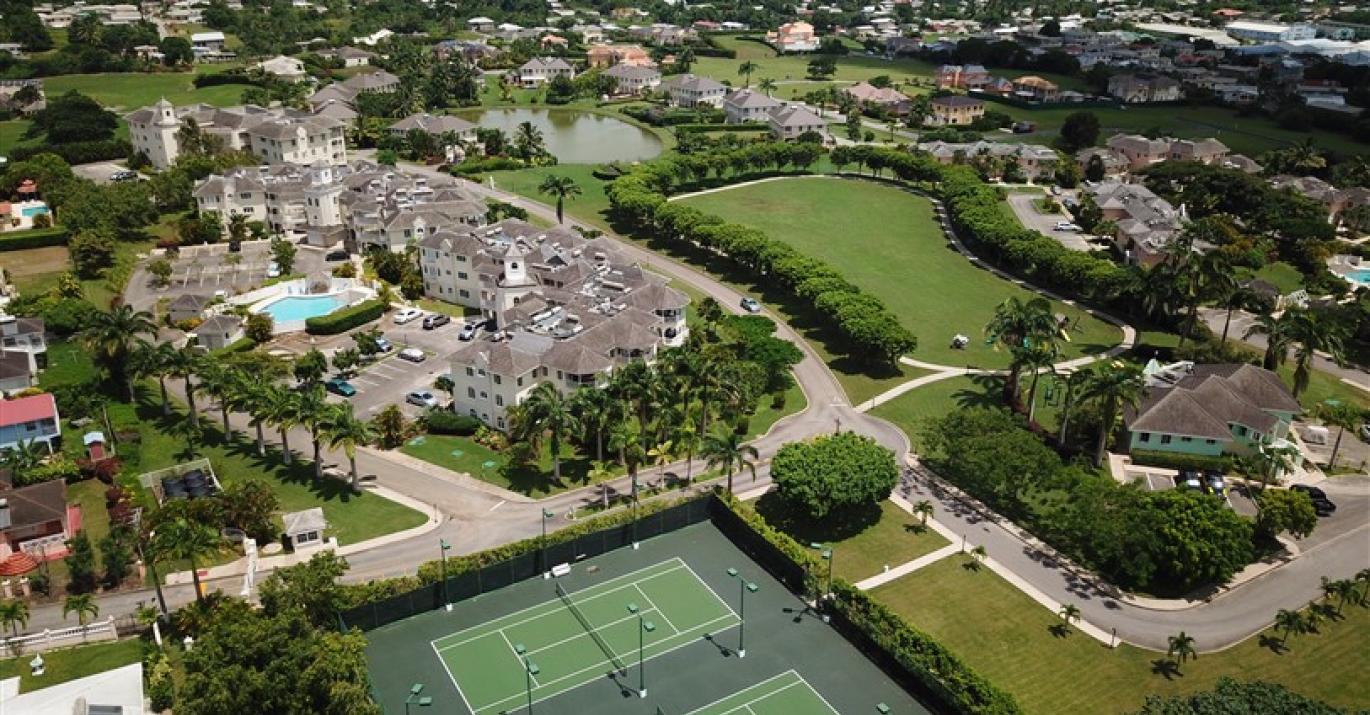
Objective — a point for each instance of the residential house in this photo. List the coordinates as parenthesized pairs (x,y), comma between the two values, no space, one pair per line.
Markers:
(437,126)
(1036,89)
(14,372)
(207,42)
(962,77)
(632,79)
(895,46)
(688,90)
(1146,223)
(1144,88)
(748,105)
(189,306)
(1257,31)
(791,120)
(1115,165)
(865,93)
(283,68)
(540,70)
(346,92)
(795,36)
(34,523)
(1210,410)
(27,337)
(610,55)
(350,56)
(1311,187)
(1140,152)
(30,419)
(480,24)
(954,111)
(1035,161)
(219,332)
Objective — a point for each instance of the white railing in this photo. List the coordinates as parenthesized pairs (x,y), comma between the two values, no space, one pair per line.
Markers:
(42,544)
(58,638)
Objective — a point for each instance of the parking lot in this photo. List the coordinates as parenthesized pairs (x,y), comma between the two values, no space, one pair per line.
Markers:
(1159,479)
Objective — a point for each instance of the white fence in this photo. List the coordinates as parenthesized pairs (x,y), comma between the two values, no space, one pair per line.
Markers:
(43,544)
(59,638)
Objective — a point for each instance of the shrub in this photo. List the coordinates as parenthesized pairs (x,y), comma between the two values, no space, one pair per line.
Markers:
(1171,460)
(78,152)
(33,238)
(346,319)
(440,421)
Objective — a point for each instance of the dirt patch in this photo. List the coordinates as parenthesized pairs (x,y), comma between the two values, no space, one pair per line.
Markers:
(33,261)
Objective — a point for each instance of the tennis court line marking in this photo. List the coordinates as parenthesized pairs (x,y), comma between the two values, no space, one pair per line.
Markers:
(584,634)
(557,602)
(767,695)
(445,667)
(659,612)
(544,604)
(601,664)
(777,676)
(711,590)
(517,657)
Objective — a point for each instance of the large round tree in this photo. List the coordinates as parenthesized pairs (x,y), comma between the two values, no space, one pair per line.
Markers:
(834,473)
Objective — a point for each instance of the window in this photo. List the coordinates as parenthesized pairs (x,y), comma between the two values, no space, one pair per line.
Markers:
(519,381)
(497,380)
(484,395)
(460,274)
(499,400)
(1143,437)
(470,372)
(471,392)
(1165,439)
(1186,439)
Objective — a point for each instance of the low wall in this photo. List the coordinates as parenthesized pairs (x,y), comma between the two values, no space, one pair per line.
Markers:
(59,638)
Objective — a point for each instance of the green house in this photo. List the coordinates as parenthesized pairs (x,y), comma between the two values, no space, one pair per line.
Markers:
(1210,410)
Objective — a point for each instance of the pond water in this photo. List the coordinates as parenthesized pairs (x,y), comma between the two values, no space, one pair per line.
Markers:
(572,136)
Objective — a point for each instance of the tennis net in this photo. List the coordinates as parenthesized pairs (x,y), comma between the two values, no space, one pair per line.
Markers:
(594,634)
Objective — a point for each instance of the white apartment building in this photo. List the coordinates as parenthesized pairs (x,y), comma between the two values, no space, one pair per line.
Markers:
(540,70)
(1270,31)
(275,135)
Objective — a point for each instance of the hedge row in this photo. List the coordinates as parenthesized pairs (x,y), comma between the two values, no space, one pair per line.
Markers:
(869,328)
(78,152)
(345,319)
(697,127)
(33,238)
(480,166)
(1173,460)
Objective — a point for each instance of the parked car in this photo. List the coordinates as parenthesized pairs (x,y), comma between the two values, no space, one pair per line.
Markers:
(750,305)
(273,270)
(413,355)
(436,320)
(1215,482)
(123,175)
(384,345)
(408,315)
(1187,479)
(335,256)
(468,331)
(422,398)
(1066,226)
(339,386)
(1365,432)
(1321,504)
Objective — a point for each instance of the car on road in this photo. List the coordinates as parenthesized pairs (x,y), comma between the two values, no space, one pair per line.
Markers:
(422,398)
(1188,479)
(436,320)
(468,331)
(408,315)
(123,175)
(273,270)
(339,386)
(413,355)
(1066,226)
(750,305)
(1215,482)
(335,256)
(383,345)
(1321,504)
(1365,432)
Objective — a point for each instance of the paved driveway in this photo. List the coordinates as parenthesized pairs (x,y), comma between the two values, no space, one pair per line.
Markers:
(387,381)
(100,171)
(1022,205)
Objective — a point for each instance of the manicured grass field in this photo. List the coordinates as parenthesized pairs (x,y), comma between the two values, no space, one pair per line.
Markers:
(912,410)
(1282,275)
(590,206)
(864,544)
(125,92)
(71,663)
(1007,637)
(463,454)
(887,241)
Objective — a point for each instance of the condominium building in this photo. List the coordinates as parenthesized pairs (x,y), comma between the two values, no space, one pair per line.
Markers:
(688,90)
(275,135)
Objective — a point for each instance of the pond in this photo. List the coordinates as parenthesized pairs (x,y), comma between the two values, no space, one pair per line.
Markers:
(575,137)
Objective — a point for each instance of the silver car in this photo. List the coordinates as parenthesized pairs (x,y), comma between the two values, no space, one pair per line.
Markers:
(421,398)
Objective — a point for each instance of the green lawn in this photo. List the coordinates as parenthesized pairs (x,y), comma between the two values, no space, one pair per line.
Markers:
(1007,637)
(766,415)
(126,92)
(12,135)
(887,241)
(1282,275)
(863,544)
(71,663)
(590,206)
(462,454)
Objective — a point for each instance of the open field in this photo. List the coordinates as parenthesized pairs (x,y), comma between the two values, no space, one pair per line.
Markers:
(864,543)
(125,92)
(1008,637)
(887,241)
(463,454)
(68,664)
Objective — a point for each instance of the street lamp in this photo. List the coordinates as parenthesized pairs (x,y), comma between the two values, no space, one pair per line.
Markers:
(643,628)
(744,586)
(542,546)
(416,697)
(529,670)
(446,603)
(827,552)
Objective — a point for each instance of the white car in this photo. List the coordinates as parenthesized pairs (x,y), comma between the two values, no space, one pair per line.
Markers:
(1066,226)
(273,270)
(750,305)
(408,315)
(412,355)
(422,398)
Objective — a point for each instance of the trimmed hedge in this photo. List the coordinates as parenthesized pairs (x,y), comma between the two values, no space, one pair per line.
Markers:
(480,166)
(698,128)
(442,421)
(1172,460)
(33,238)
(345,319)
(78,152)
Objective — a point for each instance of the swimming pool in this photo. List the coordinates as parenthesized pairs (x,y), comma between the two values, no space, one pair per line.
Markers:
(303,307)
(31,211)
(1360,276)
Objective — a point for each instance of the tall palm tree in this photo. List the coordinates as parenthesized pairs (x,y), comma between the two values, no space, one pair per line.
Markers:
(1312,332)
(283,412)
(625,438)
(1341,415)
(1268,462)
(924,509)
(313,415)
(687,443)
(223,384)
(1039,359)
(727,450)
(1117,386)
(1181,648)
(661,455)
(1276,332)
(186,364)
(251,399)
(1017,324)
(547,413)
(528,140)
(561,187)
(745,70)
(1075,383)
(157,360)
(83,605)
(1290,622)
(637,383)
(185,540)
(14,614)
(189,429)
(113,336)
(596,410)
(766,85)
(343,429)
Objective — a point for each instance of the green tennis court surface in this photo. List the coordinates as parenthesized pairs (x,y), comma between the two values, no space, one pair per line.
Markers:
(785,694)
(484,661)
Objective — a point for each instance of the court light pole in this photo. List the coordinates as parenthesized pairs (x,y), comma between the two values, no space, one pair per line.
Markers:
(744,586)
(827,552)
(643,628)
(542,545)
(529,670)
(444,546)
(416,697)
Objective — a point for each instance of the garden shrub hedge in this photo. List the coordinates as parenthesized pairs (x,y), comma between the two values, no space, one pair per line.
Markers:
(697,127)
(442,421)
(345,319)
(1171,460)
(78,152)
(33,238)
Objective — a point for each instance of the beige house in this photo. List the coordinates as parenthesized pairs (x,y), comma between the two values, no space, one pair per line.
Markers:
(796,36)
(954,111)
(633,79)
(284,68)
(274,135)
(220,331)
(792,120)
(1144,88)
(748,105)
(688,90)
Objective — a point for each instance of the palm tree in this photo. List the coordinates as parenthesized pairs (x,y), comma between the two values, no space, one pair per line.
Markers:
(14,614)
(1310,333)
(186,540)
(661,455)
(313,414)
(745,70)
(727,450)
(978,556)
(1040,359)
(157,360)
(1268,462)
(83,605)
(595,409)
(560,187)
(185,365)
(637,383)
(1275,330)
(1344,589)
(766,85)
(237,230)
(625,438)
(1113,388)
(1069,612)
(343,429)
(687,443)
(222,384)
(1017,325)
(191,431)
(528,140)
(1233,296)
(548,413)
(113,336)
(1341,415)
(282,411)
(1181,649)
(253,398)
(1290,622)
(924,510)
(23,456)
(1075,383)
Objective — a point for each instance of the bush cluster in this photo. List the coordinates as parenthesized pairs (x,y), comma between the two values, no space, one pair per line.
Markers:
(345,319)
(78,152)
(440,421)
(1173,460)
(33,238)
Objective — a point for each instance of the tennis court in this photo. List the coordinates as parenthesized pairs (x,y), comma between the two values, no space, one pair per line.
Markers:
(581,636)
(785,694)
